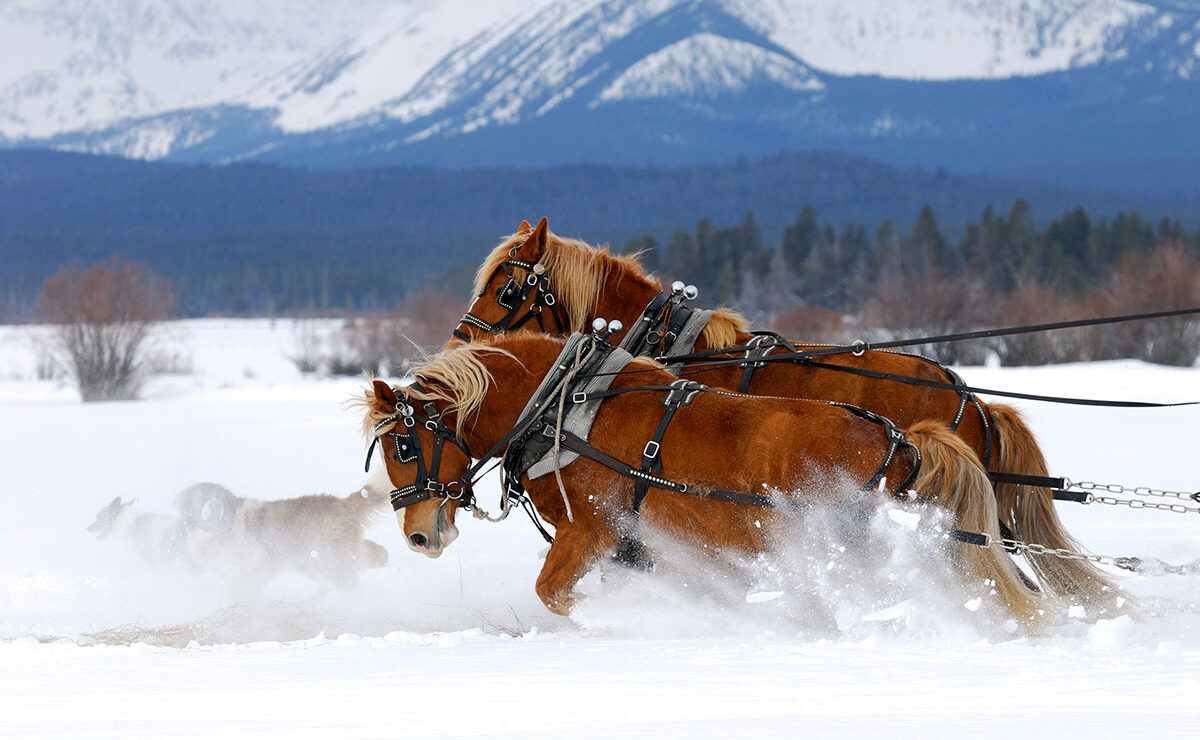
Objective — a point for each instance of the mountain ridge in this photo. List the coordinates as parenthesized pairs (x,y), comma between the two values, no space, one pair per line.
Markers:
(964,84)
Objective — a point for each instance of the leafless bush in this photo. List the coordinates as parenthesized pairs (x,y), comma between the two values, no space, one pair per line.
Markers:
(934,306)
(104,317)
(1168,278)
(308,346)
(371,344)
(817,325)
(1038,304)
(416,328)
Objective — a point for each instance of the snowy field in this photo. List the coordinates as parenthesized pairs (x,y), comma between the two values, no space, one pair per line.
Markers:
(97,642)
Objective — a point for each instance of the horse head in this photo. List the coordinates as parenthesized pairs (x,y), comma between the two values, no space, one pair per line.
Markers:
(513,289)
(537,280)
(427,473)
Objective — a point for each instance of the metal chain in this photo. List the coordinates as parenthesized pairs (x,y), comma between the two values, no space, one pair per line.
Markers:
(1090,487)
(1137,503)
(1032,548)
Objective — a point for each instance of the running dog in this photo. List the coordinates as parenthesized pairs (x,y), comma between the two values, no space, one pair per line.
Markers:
(158,539)
(250,541)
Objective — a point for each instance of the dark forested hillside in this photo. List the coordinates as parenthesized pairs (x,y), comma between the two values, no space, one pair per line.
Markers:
(254,238)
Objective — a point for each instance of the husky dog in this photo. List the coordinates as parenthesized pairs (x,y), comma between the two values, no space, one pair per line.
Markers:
(318,536)
(156,538)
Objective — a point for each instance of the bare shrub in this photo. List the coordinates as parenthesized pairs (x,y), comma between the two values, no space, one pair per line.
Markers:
(1039,304)
(103,318)
(370,344)
(1168,278)
(416,328)
(816,325)
(932,306)
(307,347)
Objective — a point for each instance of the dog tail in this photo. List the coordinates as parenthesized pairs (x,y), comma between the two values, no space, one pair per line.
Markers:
(371,500)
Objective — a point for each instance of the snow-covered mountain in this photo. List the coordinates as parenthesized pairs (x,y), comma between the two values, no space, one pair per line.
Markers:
(350,82)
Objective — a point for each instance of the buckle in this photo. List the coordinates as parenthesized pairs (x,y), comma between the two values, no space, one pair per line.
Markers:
(651,450)
(579,397)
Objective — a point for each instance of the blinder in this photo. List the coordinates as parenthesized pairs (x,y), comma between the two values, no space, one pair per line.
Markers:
(511,296)
(406,450)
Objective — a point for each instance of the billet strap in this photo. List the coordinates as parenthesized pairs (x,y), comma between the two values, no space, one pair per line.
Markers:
(1022,479)
(763,344)
(680,393)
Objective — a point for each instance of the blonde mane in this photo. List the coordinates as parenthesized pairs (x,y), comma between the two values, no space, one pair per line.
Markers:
(723,327)
(576,270)
(456,375)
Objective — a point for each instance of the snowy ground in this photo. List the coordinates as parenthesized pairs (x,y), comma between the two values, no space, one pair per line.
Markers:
(96,642)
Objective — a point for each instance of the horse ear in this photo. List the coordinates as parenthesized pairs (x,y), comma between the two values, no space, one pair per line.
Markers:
(384,393)
(535,244)
(524,227)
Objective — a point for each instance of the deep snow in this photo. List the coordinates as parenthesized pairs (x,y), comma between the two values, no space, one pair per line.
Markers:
(817,639)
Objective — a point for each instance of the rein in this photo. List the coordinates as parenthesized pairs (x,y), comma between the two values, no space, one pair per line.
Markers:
(756,355)
(768,347)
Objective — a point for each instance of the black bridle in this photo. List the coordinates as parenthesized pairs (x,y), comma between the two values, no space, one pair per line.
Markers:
(406,450)
(512,296)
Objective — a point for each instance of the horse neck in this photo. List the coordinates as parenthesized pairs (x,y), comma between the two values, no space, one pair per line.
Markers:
(514,382)
(624,295)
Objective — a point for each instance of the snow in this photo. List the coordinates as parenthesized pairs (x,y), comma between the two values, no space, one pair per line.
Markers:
(944,39)
(77,66)
(706,66)
(874,638)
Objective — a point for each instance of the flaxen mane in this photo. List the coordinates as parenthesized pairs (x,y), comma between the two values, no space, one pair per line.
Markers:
(577,272)
(458,376)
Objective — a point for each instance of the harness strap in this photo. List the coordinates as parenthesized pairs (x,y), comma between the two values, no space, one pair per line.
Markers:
(511,296)
(763,344)
(680,394)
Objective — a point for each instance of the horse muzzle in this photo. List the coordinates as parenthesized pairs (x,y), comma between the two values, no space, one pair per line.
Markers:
(431,541)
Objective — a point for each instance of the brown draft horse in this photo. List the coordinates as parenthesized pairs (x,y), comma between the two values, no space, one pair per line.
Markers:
(717,441)
(588,282)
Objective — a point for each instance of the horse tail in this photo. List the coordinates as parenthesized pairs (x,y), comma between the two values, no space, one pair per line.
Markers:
(951,477)
(1029,512)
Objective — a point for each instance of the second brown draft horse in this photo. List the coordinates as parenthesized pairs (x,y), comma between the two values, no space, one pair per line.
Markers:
(711,475)
(535,280)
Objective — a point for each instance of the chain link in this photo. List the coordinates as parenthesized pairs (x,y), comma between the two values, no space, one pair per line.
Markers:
(1137,503)
(1032,548)
(1088,485)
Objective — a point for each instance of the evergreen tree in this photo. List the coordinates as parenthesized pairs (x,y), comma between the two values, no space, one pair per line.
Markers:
(798,239)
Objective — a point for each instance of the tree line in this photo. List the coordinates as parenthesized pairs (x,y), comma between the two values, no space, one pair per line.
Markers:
(818,283)
(838,283)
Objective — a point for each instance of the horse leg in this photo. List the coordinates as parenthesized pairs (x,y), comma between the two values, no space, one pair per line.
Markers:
(573,551)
